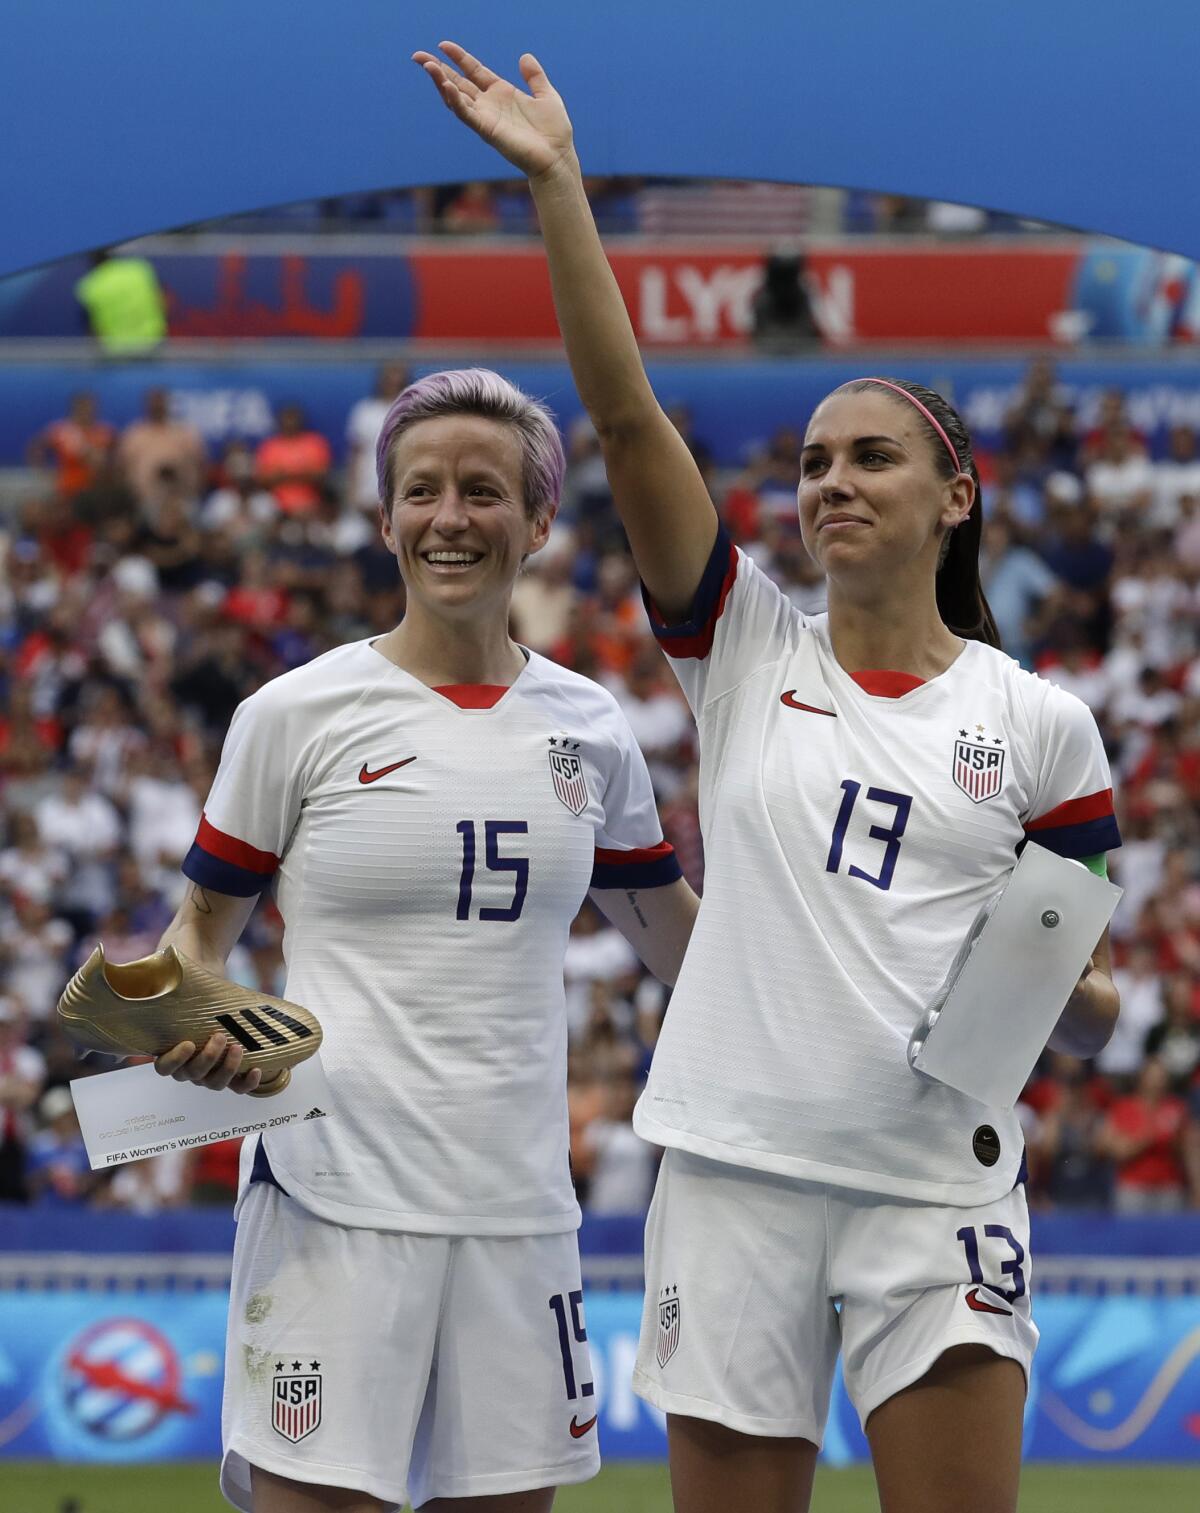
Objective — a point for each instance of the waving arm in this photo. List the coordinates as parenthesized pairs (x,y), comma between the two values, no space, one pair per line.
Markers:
(657,488)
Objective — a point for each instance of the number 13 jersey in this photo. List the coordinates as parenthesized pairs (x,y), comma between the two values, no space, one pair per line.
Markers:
(429,859)
(851,834)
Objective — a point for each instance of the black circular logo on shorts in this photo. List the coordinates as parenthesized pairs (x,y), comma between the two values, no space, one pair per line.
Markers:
(985,1142)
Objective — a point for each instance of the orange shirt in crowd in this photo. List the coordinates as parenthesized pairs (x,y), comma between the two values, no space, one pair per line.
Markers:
(78,451)
(306,453)
(618,636)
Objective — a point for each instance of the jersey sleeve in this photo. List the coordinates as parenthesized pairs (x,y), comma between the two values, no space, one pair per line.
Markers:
(739,621)
(253,805)
(1072,808)
(630,849)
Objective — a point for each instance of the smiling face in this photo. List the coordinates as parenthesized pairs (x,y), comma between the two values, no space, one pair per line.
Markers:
(458,523)
(871,497)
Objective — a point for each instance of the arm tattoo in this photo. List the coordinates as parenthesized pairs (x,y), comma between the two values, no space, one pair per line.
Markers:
(631,895)
(200,899)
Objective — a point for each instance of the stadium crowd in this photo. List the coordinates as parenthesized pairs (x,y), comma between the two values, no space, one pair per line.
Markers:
(639,207)
(148,586)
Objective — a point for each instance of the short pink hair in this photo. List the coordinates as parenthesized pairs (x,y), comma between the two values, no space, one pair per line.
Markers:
(479,391)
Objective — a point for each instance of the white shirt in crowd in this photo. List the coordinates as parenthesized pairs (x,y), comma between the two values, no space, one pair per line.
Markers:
(363,425)
(149,1186)
(38,873)
(83,827)
(1138,869)
(1172,480)
(1141,1010)
(1120,486)
(622,1178)
(36,968)
(163,816)
(600,957)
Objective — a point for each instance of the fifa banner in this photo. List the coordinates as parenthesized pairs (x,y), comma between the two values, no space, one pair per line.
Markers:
(678,294)
(87,1377)
(735,407)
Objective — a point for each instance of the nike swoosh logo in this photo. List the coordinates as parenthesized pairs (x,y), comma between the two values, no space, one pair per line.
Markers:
(579,1430)
(373,777)
(976,1302)
(786,698)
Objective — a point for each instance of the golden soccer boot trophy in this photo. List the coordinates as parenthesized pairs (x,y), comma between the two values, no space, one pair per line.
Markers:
(144,1007)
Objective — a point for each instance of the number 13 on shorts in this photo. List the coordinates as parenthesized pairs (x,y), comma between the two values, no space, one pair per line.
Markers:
(1012,1266)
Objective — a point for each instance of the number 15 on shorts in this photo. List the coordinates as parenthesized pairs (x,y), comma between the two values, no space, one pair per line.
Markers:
(568,1312)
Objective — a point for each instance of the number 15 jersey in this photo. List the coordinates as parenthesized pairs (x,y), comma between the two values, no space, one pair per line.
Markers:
(851,834)
(429,859)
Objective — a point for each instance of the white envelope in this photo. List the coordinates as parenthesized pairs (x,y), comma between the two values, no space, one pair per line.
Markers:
(1011,982)
(132,1113)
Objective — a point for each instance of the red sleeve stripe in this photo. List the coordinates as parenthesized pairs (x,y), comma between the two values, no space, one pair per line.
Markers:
(694,637)
(228,848)
(647,867)
(1093,806)
(609,858)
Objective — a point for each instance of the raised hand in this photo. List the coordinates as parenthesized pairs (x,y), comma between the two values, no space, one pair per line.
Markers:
(533,131)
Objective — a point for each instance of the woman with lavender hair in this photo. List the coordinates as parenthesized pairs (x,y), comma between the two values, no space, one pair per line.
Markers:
(434,803)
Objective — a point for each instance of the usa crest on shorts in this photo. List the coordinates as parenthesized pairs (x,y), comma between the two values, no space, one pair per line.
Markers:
(566,769)
(295,1399)
(979,765)
(668,1325)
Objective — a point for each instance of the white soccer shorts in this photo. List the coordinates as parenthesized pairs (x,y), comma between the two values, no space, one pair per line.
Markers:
(755,1281)
(432,1365)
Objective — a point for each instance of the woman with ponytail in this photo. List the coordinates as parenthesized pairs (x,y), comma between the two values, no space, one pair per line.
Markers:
(867,779)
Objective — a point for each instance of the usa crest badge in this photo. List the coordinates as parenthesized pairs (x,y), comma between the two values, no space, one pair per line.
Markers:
(668,1325)
(979,765)
(295,1400)
(566,769)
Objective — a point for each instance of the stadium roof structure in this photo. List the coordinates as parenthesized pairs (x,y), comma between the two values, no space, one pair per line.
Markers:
(136,117)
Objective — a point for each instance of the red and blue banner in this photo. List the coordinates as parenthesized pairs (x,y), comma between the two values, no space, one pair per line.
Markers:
(680,295)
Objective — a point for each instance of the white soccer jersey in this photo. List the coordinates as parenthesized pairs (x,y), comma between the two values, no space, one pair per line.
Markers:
(429,860)
(851,835)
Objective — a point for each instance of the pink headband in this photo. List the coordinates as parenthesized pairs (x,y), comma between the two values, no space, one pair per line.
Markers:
(913,400)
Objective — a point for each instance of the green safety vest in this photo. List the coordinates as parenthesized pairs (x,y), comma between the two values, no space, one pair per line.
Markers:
(124,304)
